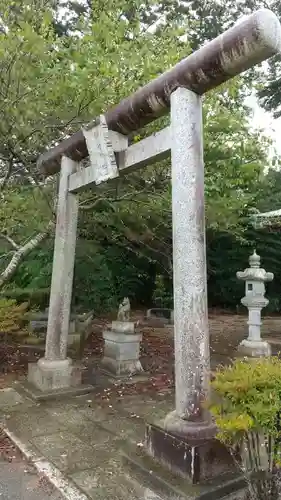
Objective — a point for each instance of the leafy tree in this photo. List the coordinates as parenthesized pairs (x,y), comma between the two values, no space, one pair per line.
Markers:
(51,84)
(268,196)
(38,68)
(135,213)
(53,80)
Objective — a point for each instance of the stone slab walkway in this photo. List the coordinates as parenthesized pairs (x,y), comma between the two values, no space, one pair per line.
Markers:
(91,446)
(84,441)
(88,444)
(17,482)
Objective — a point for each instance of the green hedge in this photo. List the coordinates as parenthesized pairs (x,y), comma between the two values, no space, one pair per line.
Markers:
(35,297)
(227,254)
(104,275)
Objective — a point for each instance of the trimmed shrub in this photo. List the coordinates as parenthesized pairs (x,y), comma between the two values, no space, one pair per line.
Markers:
(12,316)
(247,409)
(36,299)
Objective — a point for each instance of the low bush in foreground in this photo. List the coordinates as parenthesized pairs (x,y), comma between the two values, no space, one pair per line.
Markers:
(246,404)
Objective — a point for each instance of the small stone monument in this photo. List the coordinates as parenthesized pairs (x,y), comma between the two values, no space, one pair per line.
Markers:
(124,310)
(255,301)
(122,344)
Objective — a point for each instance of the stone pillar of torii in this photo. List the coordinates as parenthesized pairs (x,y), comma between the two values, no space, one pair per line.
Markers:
(105,140)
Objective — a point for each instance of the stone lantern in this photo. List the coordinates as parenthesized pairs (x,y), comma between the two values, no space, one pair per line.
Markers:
(255,278)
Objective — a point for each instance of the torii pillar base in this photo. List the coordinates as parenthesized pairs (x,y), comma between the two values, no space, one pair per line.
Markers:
(51,379)
(195,460)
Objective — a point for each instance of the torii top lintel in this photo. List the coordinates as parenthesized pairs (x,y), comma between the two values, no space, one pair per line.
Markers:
(249,42)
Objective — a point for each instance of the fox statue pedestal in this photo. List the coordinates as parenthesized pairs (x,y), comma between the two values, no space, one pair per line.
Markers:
(122,345)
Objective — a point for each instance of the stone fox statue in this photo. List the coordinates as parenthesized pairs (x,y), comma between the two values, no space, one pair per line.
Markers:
(124,310)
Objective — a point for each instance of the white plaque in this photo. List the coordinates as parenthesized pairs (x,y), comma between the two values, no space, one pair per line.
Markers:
(101,152)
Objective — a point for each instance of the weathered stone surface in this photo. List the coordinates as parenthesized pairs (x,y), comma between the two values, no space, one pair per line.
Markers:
(122,338)
(37,395)
(12,401)
(79,326)
(91,482)
(121,351)
(127,327)
(127,428)
(122,485)
(41,423)
(121,368)
(54,371)
(51,375)
(66,451)
(89,441)
(191,330)
(39,330)
(197,431)
(255,300)
(40,326)
(9,398)
(63,265)
(194,462)
(124,310)
(19,481)
(122,345)
(150,471)
(254,349)
(159,312)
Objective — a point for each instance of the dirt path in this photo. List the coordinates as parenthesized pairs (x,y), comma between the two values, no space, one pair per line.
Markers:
(157,352)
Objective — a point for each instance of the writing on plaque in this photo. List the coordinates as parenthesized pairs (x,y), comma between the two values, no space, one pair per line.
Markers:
(100,151)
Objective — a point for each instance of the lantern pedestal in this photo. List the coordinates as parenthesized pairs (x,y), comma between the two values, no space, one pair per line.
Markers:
(254,349)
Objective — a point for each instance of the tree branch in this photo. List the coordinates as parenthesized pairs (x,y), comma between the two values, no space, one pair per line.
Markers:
(22,252)
(7,175)
(10,240)
(126,197)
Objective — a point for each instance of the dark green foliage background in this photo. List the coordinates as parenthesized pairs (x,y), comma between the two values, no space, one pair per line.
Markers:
(228,254)
(102,278)
(103,275)
(124,245)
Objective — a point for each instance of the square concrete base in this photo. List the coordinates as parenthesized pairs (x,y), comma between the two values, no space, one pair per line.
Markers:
(55,377)
(120,369)
(121,353)
(160,480)
(29,390)
(124,378)
(195,463)
(127,327)
(254,349)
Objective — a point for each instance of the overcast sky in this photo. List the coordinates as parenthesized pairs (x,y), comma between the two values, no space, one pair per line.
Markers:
(263,119)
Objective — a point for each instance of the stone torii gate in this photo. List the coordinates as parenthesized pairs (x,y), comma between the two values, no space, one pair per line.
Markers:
(179,90)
